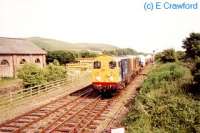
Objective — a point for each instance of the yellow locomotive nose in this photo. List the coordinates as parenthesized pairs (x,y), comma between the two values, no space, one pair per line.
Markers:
(98,78)
(111,78)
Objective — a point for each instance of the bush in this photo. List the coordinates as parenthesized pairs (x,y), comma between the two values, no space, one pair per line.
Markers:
(162,105)
(55,72)
(168,55)
(180,55)
(31,75)
(159,76)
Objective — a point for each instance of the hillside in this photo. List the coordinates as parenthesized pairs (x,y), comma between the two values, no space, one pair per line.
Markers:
(51,45)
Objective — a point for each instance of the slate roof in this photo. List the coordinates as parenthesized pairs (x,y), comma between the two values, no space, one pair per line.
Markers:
(18,46)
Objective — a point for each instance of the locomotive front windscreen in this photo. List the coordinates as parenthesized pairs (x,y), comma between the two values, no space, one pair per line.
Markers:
(97,65)
(112,64)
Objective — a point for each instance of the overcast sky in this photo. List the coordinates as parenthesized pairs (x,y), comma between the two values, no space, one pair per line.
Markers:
(123,23)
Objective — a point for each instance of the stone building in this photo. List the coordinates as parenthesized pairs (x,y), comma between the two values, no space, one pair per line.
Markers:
(14,52)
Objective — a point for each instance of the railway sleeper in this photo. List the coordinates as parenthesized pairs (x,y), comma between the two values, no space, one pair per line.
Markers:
(7,129)
(13,124)
(64,129)
(92,126)
(30,117)
(20,124)
(24,120)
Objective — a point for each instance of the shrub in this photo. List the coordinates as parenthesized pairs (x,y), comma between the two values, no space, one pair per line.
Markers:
(180,55)
(31,75)
(168,55)
(159,76)
(55,72)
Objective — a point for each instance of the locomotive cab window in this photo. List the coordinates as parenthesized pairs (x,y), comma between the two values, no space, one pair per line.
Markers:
(97,65)
(112,64)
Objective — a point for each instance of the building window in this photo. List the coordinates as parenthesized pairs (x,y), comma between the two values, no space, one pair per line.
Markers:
(5,63)
(22,61)
(37,60)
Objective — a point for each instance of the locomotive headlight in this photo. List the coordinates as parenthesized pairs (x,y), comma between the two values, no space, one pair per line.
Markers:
(98,78)
(111,78)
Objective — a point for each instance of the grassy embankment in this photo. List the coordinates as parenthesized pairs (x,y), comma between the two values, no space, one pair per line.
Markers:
(163,104)
(8,81)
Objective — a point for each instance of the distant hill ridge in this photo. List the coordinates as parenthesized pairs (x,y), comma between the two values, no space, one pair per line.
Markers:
(52,45)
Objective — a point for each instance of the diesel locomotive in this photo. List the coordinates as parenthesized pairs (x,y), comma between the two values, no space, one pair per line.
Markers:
(111,73)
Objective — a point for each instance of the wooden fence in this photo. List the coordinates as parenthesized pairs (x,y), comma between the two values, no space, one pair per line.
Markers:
(19,96)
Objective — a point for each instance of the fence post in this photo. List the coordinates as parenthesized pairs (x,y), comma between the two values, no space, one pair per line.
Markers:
(10,97)
(31,89)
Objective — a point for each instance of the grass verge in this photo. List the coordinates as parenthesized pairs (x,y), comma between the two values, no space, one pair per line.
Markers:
(8,81)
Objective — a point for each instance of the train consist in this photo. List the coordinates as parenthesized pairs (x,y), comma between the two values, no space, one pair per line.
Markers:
(112,73)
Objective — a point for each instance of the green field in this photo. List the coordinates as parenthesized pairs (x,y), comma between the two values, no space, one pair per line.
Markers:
(164,103)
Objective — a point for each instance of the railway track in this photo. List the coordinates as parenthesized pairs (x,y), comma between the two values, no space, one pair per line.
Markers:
(53,109)
(80,120)
(68,114)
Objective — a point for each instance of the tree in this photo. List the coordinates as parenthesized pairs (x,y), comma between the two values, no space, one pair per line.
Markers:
(192,46)
(121,51)
(62,56)
(87,54)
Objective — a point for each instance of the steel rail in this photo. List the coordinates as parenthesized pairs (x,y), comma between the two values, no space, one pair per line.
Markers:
(60,123)
(93,117)
(40,110)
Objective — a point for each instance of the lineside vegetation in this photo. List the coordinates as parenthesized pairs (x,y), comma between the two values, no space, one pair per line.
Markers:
(163,105)
(33,75)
